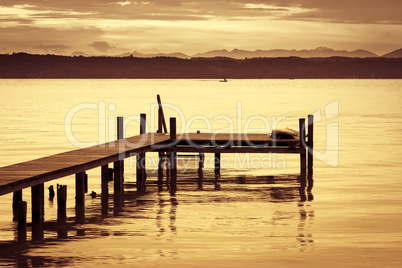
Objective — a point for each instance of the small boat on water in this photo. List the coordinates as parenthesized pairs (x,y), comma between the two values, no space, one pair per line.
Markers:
(224,80)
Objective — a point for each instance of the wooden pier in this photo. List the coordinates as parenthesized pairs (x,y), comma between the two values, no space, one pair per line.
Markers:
(36,172)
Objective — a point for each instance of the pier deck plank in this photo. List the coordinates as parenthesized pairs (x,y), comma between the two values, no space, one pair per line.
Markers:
(26,174)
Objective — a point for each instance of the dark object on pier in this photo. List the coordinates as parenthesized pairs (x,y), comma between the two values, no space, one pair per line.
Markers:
(93,194)
(284,134)
(51,193)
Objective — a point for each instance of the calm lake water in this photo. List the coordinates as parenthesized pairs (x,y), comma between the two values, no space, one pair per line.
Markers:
(351,218)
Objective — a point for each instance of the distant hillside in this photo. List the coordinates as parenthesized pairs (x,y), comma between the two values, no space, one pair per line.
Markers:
(273,53)
(144,55)
(322,52)
(394,54)
(22,65)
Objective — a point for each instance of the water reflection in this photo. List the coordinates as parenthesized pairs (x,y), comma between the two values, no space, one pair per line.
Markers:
(132,219)
(306,215)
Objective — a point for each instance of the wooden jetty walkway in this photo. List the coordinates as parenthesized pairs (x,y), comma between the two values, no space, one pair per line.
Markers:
(36,172)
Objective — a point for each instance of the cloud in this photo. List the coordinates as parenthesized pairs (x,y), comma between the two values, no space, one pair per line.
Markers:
(340,11)
(101,46)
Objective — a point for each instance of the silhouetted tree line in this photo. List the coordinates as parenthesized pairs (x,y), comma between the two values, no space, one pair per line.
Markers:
(22,65)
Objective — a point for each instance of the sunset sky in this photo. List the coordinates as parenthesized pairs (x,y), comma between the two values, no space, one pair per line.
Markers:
(191,26)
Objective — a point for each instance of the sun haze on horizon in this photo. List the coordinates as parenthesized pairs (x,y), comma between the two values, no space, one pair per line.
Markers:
(107,27)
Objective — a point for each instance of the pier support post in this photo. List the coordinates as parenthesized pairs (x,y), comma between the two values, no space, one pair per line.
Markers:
(105,189)
(160,171)
(61,204)
(17,197)
(79,197)
(120,135)
(22,220)
(302,133)
(167,163)
(173,172)
(141,171)
(118,186)
(38,202)
(201,170)
(173,158)
(310,145)
(217,171)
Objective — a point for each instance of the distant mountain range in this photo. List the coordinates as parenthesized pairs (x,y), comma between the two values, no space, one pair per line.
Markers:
(320,52)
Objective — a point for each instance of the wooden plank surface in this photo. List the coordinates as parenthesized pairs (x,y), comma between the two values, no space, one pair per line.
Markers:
(26,174)
(18,176)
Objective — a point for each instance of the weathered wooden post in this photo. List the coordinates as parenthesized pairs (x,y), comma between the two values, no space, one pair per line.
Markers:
(22,220)
(217,170)
(143,130)
(61,204)
(79,197)
(86,183)
(302,133)
(167,163)
(161,115)
(310,145)
(38,203)
(160,154)
(200,170)
(118,186)
(141,172)
(173,158)
(17,197)
(120,135)
(160,171)
(105,189)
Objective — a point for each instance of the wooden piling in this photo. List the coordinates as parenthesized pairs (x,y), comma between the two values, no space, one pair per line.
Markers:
(118,186)
(302,133)
(61,204)
(86,183)
(22,220)
(217,170)
(167,163)
(173,158)
(160,171)
(201,170)
(160,130)
(141,171)
(310,145)
(111,171)
(105,189)
(38,202)
(17,197)
(173,173)
(143,130)
(162,117)
(173,128)
(120,135)
(79,197)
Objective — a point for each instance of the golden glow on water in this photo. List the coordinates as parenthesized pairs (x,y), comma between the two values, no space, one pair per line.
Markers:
(352,216)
